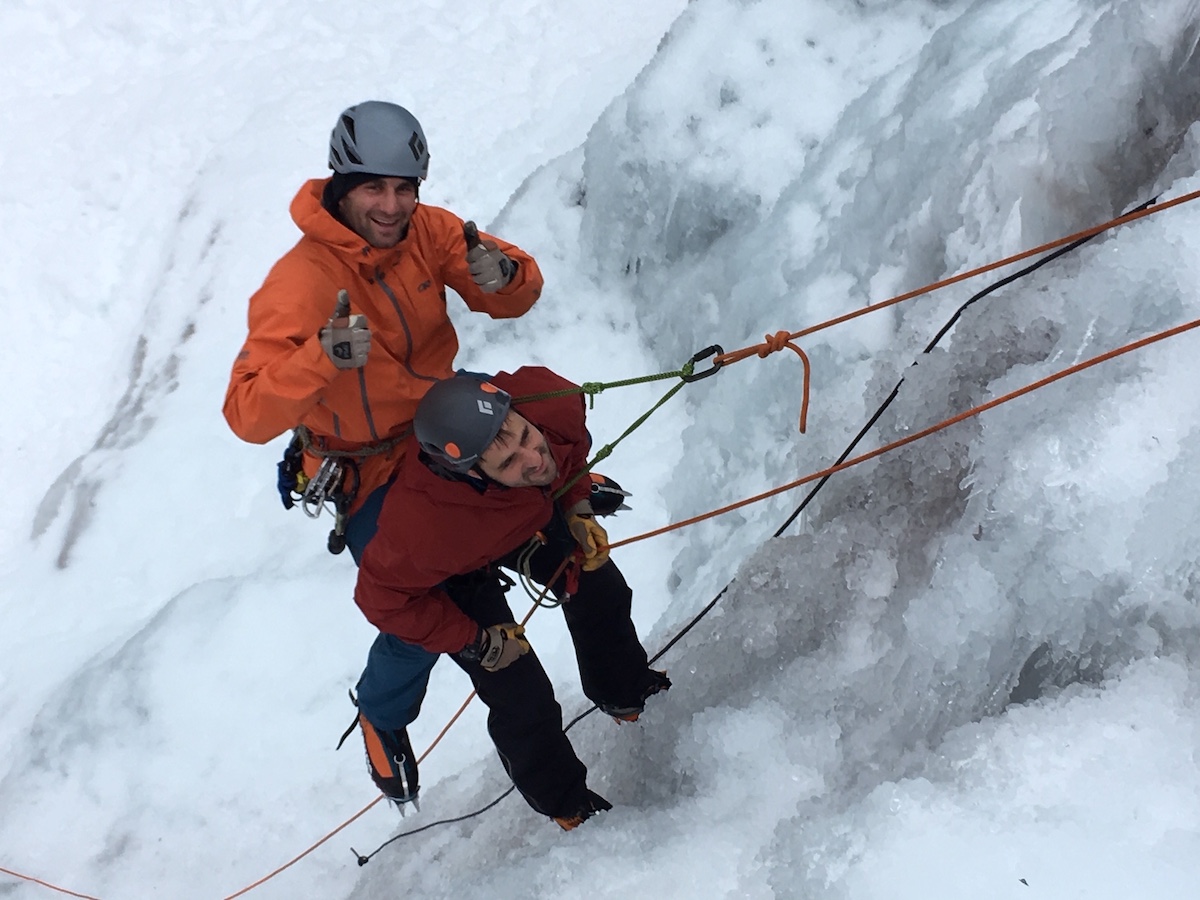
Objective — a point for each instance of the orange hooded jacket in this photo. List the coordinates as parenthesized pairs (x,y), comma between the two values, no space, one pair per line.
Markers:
(282,378)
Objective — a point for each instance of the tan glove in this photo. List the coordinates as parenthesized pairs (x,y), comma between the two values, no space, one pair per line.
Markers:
(589,535)
(346,339)
(490,268)
(497,646)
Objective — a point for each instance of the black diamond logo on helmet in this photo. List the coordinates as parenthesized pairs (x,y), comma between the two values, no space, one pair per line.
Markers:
(416,145)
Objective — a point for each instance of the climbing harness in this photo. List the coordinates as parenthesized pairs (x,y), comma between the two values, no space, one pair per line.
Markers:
(334,484)
(531,547)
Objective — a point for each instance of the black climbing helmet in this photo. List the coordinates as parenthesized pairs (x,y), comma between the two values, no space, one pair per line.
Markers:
(379,138)
(458,419)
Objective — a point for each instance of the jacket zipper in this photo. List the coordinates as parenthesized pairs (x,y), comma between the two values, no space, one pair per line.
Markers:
(404,323)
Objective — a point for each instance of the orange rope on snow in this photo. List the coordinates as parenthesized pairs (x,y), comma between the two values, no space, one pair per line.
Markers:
(291,862)
(437,740)
(45,884)
(933,429)
(357,815)
(772,344)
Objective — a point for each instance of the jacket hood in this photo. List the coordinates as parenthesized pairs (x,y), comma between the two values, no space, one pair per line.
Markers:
(312,218)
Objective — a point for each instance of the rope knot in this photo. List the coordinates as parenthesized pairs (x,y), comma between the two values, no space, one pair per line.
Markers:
(774,343)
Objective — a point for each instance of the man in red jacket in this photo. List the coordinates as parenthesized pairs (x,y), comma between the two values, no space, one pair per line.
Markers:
(490,482)
(350,327)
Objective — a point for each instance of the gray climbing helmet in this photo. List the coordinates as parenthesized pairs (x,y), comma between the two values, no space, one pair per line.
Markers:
(379,138)
(458,419)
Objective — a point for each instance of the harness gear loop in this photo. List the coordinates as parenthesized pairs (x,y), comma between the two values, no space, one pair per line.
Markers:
(336,480)
(327,480)
(539,596)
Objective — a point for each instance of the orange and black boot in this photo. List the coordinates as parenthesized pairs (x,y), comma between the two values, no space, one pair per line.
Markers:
(392,763)
(622,714)
(591,804)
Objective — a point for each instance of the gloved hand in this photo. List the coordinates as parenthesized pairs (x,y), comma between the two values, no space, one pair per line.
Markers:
(490,268)
(497,646)
(589,535)
(346,339)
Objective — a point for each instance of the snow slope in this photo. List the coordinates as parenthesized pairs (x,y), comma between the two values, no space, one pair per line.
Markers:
(969,670)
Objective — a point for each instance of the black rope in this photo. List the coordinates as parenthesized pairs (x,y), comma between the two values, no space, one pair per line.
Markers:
(992,288)
(363,860)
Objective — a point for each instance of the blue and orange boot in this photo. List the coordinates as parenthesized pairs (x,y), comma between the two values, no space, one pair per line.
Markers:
(392,763)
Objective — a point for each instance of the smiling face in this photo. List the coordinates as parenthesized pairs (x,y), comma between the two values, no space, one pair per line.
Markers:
(519,456)
(379,210)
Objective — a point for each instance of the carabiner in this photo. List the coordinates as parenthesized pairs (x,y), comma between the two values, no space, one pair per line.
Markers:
(327,480)
(714,350)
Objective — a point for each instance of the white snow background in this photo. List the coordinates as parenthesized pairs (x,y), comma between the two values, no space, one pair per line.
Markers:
(969,670)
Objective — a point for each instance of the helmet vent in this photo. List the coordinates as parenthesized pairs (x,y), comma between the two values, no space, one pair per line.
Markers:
(348,124)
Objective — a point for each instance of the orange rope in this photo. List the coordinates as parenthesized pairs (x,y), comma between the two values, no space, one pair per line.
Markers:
(933,429)
(774,342)
(1051,245)
(437,740)
(46,884)
(781,339)
(296,859)
(777,342)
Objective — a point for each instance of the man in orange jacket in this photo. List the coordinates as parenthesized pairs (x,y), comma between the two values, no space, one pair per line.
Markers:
(350,327)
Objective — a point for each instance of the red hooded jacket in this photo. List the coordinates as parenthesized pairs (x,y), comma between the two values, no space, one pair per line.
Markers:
(431,527)
(282,378)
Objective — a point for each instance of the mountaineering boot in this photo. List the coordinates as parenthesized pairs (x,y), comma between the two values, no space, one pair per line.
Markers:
(623,714)
(592,804)
(392,763)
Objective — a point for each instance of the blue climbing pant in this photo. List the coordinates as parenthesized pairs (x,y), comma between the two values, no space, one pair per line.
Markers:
(393,683)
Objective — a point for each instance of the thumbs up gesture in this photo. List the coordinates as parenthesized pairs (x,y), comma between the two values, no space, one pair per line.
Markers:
(346,339)
(489,267)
